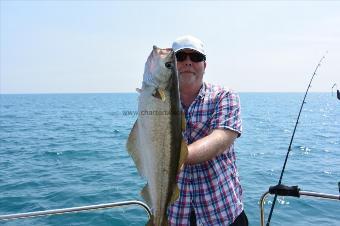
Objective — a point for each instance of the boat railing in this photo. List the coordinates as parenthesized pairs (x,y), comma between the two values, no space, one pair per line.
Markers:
(294,191)
(75,210)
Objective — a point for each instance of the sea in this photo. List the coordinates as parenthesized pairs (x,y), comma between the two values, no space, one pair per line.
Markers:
(68,150)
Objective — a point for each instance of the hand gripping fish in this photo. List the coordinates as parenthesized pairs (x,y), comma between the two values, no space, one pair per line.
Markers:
(155,141)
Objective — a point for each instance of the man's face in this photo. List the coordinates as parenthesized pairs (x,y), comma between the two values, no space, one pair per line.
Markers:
(190,72)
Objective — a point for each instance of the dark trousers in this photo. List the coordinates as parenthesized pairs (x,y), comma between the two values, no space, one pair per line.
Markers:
(241,220)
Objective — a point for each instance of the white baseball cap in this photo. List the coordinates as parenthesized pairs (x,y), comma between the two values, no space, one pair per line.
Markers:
(188,42)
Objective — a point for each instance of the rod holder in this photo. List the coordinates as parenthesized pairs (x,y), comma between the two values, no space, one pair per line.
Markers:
(300,193)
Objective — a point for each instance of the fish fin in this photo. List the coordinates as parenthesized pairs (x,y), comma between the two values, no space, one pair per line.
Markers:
(159,93)
(132,148)
(139,90)
(183,155)
(165,222)
(182,158)
(175,193)
(146,194)
(183,121)
(150,222)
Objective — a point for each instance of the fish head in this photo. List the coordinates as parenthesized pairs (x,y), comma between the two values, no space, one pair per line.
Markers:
(159,68)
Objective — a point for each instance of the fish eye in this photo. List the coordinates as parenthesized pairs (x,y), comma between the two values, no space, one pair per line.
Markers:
(168,65)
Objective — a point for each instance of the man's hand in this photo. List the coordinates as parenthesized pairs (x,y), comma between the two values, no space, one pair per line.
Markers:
(210,146)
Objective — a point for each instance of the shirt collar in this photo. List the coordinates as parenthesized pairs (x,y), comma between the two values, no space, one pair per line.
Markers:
(201,93)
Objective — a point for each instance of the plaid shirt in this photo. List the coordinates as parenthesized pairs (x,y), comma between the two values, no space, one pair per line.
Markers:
(211,188)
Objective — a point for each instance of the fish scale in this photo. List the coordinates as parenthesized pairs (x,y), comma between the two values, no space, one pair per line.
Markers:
(155,142)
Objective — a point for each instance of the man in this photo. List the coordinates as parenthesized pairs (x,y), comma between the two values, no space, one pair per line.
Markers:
(210,190)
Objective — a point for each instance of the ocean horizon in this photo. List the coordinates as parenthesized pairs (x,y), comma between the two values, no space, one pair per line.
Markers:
(61,150)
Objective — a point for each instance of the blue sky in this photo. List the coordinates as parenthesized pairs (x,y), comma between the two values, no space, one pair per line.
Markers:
(101,46)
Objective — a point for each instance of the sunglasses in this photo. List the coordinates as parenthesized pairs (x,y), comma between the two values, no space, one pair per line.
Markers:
(194,56)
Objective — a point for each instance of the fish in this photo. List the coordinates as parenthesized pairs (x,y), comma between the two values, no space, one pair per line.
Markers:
(156,142)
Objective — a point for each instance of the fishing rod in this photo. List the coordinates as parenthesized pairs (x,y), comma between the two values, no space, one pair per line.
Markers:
(333,87)
(291,140)
(337,91)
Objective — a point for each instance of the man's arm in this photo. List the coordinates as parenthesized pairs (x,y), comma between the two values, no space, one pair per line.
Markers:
(210,146)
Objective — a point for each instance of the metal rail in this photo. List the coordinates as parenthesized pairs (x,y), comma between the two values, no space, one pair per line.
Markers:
(74,210)
(301,193)
(263,198)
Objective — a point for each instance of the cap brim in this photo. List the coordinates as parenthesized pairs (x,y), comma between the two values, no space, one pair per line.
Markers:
(187,47)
